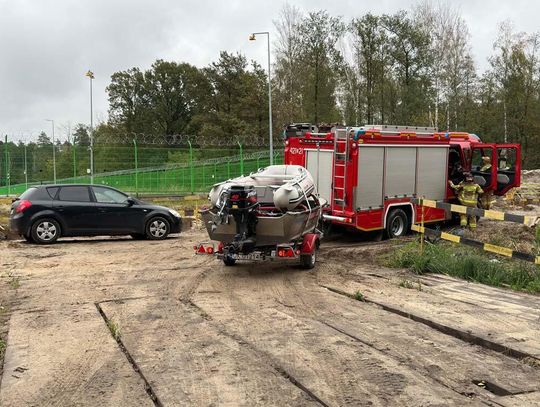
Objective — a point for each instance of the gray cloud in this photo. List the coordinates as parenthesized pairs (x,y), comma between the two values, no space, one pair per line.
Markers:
(46,46)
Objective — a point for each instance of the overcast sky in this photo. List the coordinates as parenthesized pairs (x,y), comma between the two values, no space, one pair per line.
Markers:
(46,46)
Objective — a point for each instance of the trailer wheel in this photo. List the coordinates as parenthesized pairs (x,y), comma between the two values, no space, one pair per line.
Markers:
(307,261)
(397,223)
(229,261)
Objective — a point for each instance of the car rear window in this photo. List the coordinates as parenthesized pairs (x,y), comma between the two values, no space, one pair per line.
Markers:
(28,193)
(74,194)
(35,194)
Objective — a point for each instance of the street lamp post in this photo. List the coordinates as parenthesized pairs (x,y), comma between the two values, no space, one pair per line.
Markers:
(53,150)
(90,75)
(253,37)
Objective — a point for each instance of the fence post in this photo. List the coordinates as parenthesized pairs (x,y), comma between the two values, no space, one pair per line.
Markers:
(74,162)
(422,237)
(215,172)
(229,168)
(258,165)
(191,174)
(25,168)
(241,158)
(6,164)
(203,183)
(136,154)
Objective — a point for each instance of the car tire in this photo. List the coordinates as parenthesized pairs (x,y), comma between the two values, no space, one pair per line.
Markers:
(307,261)
(397,223)
(45,231)
(229,261)
(157,228)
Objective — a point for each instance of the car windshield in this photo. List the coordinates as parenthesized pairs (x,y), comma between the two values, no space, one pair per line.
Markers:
(107,195)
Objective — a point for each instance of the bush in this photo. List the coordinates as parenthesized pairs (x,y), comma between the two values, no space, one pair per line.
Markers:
(466,263)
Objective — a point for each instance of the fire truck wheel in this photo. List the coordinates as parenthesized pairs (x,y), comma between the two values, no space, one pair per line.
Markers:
(307,261)
(397,223)
(229,261)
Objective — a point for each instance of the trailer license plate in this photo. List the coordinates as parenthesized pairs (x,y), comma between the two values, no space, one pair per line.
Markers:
(250,256)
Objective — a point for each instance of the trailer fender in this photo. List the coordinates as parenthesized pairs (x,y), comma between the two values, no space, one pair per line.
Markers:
(310,243)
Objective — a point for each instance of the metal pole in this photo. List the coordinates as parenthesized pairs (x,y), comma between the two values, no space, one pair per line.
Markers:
(422,237)
(252,37)
(270,104)
(91,133)
(241,158)
(191,175)
(136,154)
(25,168)
(53,150)
(6,166)
(74,162)
(53,153)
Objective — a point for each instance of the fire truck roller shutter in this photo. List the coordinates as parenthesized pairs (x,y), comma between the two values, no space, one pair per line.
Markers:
(432,166)
(319,165)
(369,191)
(400,173)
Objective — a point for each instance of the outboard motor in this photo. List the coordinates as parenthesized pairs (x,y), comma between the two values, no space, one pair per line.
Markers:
(241,202)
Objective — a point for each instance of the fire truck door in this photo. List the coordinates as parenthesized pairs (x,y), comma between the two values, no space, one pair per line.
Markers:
(508,167)
(484,175)
(319,165)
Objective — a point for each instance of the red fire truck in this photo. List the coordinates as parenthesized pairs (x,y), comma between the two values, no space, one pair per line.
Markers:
(369,174)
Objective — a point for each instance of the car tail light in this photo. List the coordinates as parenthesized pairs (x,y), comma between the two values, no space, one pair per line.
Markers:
(290,252)
(23,205)
(210,250)
(235,197)
(201,249)
(281,253)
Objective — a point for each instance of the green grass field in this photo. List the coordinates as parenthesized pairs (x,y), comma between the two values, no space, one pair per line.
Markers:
(182,179)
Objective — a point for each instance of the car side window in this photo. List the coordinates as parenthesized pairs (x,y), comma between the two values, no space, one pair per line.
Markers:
(106,195)
(52,191)
(74,194)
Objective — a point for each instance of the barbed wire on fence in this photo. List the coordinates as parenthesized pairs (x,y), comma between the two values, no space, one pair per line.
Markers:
(166,140)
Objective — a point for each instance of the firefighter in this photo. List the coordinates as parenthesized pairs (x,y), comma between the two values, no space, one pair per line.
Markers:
(487,198)
(486,164)
(468,192)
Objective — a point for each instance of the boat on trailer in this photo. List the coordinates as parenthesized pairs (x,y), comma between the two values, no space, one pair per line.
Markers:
(272,213)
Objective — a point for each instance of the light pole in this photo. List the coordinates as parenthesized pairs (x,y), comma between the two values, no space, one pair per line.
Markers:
(253,37)
(90,75)
(53,150)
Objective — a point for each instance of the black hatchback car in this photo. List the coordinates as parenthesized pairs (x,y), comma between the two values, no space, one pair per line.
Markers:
(44,213)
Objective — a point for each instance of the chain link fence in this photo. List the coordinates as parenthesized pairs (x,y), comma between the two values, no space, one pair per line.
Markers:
(140,165)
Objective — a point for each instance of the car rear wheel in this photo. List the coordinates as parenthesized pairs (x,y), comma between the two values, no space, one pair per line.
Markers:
(157,228)
(45,231)
(397,224)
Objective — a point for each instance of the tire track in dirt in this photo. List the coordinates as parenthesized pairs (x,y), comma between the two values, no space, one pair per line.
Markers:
(338,371)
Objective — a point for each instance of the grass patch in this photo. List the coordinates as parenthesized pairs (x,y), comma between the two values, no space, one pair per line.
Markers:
(3,346)
(14,281)
(114,328)
(359,296)
(405,283)
(466,263)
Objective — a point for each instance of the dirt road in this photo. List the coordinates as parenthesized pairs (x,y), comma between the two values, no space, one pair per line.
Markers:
(122,322)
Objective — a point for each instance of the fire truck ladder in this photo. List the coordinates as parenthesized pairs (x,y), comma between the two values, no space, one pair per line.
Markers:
(341,157)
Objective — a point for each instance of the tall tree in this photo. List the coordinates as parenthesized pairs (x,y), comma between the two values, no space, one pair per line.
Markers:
(319,34)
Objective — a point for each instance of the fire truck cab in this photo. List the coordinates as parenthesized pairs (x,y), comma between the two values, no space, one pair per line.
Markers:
(369,174)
